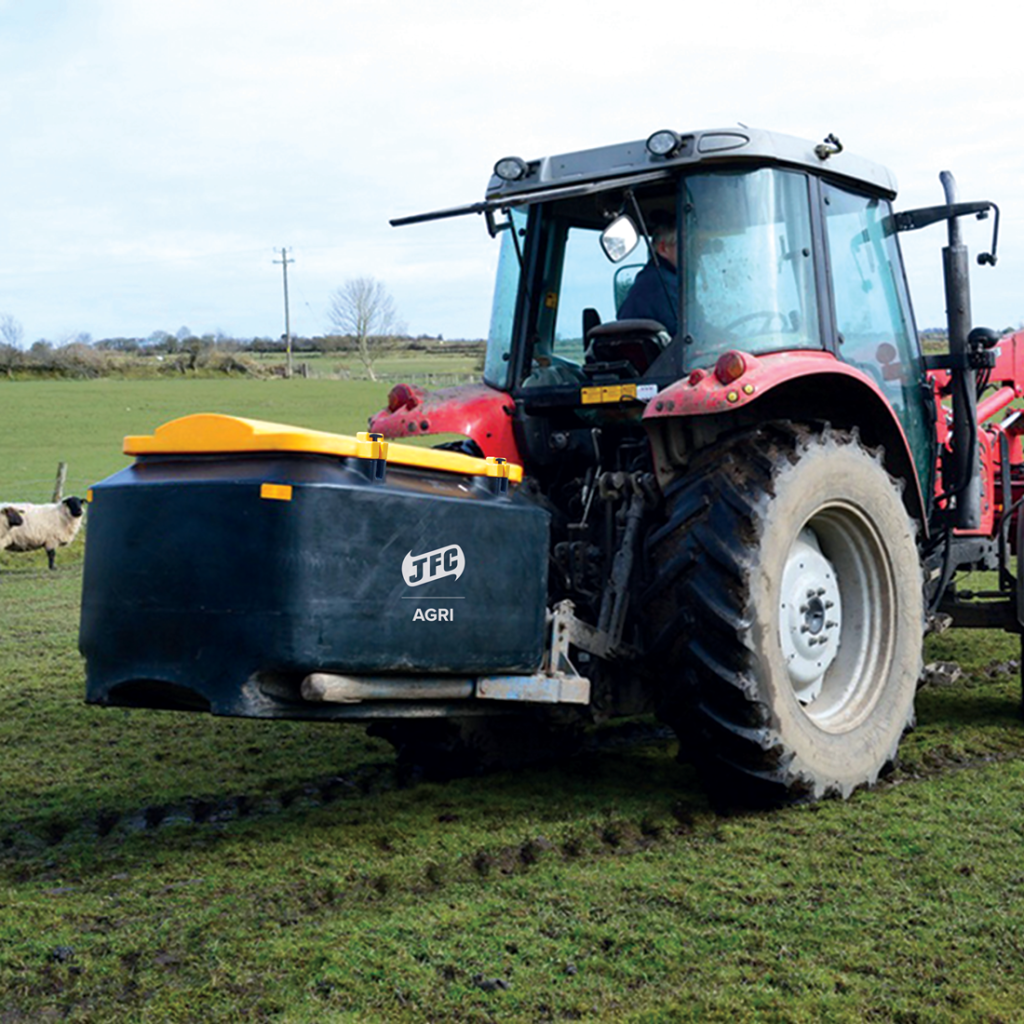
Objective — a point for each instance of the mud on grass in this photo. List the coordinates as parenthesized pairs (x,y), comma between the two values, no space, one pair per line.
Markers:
(442,903)
(171,867)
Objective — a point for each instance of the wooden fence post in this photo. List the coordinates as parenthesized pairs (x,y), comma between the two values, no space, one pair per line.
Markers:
(62,475)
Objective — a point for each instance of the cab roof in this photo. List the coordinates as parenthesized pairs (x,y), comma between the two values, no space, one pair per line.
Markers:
(715,146)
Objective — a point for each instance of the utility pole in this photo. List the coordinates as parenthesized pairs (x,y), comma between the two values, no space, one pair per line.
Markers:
(284,261)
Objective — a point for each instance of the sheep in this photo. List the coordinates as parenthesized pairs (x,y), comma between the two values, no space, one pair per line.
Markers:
(9,517)
(43,526)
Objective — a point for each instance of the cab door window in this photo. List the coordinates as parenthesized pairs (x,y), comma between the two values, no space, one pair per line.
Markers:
(577,290)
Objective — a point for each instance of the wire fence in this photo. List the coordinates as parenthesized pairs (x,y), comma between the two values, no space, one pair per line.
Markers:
(41,490)
(429,380)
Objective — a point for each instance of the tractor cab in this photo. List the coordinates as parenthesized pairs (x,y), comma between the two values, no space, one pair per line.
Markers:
(693,284)
(628,269)
(649,283)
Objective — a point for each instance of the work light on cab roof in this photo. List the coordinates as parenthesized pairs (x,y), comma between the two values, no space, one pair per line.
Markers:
(511,168)
(664,143)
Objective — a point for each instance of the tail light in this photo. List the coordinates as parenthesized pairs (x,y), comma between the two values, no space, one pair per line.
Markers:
(730,367)
(402,396)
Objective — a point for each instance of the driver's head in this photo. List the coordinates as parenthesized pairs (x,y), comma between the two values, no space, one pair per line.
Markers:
(664,236)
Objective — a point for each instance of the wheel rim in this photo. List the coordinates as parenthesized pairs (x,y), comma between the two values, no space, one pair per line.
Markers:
(837,617)
(811,616)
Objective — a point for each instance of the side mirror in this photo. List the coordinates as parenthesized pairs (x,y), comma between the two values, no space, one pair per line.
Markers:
(982,338)
(619,239)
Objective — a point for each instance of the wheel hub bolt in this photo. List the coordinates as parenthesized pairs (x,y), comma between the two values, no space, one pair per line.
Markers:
(814,616)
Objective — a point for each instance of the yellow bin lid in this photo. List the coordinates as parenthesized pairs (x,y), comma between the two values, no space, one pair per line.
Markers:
(212,433)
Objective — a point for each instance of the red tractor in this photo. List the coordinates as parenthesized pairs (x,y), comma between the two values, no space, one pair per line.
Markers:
(743,495)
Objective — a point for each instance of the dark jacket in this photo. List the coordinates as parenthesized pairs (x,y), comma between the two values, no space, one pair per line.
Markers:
(649,297)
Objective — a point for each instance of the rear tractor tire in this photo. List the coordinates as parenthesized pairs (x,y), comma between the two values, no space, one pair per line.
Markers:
(787,605)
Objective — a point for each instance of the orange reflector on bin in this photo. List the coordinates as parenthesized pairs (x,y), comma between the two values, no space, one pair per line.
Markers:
(276,492)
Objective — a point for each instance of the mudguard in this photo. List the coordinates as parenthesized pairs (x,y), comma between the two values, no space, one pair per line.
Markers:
(702,392)
(770,378)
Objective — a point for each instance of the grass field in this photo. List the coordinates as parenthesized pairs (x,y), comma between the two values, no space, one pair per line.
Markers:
(166,867)
(433,368)
(83,422)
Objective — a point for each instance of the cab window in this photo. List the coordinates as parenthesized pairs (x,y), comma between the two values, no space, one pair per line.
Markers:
(503,307)
(587,283)
(872,309)
(747,262)
(577,288)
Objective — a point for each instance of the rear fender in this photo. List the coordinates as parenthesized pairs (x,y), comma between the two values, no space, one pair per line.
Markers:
(782,385)
(472,410)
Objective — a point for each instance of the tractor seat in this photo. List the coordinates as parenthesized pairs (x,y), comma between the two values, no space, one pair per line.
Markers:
(635,343)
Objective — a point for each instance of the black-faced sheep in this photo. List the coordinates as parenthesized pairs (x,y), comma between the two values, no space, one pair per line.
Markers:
(43,526)
(9,518)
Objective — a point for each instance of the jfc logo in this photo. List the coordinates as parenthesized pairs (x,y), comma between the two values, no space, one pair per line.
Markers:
(433,565)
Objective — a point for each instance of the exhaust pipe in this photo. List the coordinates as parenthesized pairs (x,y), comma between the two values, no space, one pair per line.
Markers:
(956,274)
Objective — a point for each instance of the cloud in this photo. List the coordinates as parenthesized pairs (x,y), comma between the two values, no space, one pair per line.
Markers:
(157,153)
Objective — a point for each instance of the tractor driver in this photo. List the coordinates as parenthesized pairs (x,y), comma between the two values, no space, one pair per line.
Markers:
(654,292)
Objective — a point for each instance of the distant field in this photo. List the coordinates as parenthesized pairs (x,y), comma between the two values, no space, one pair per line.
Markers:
(83,423)
(405,361)
(161,867)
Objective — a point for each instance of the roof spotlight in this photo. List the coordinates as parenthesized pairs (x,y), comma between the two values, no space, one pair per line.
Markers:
(664,143)
(511,168)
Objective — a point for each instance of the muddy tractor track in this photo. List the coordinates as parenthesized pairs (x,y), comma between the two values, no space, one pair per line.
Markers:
(22,842)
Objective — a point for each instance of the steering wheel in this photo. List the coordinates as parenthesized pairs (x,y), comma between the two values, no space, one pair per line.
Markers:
(765,317)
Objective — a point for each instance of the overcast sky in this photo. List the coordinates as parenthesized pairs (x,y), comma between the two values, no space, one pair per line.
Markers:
(156,152)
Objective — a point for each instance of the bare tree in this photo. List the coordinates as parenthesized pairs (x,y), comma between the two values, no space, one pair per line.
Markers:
(363,309)
(11,330)
(11,333)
